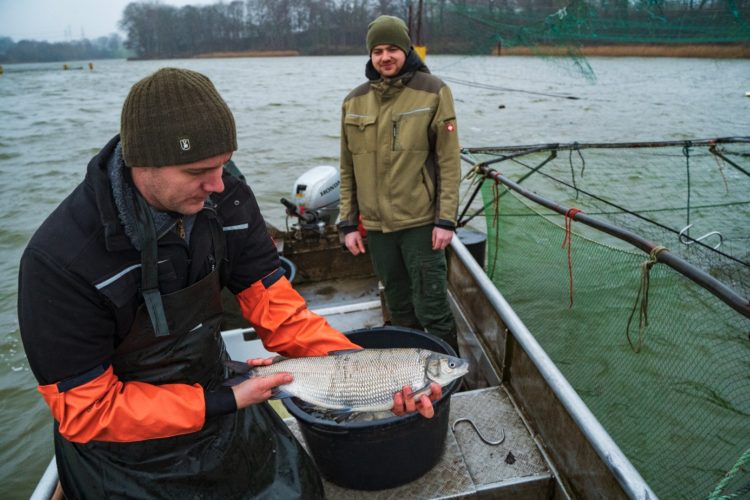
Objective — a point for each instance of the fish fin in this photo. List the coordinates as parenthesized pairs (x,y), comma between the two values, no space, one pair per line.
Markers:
(238,367)
(278,359)
(426,390)
(343,351)
(236,380)
(339,414)
(277,393)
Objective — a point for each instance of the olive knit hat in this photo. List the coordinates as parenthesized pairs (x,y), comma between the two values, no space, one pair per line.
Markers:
(388,30)
(172,117)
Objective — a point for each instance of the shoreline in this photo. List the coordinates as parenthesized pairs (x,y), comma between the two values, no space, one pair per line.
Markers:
(703,51)
(709,51)
(247,53)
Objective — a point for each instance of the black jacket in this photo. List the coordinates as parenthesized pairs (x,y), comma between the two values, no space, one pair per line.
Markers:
(80,275)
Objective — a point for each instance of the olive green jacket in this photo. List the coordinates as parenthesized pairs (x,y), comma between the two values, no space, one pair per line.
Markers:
(400,163)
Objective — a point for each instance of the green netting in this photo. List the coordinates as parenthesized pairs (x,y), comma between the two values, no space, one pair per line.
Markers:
(691,197)
(680,407)
(553,22)
(569,28)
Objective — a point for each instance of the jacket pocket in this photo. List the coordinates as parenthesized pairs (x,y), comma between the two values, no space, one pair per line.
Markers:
(411,130)
(361,134)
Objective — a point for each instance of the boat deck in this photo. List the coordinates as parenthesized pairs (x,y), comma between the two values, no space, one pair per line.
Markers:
(469,467)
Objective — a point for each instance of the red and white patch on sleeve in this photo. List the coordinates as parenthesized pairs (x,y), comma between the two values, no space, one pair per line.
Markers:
(450,127)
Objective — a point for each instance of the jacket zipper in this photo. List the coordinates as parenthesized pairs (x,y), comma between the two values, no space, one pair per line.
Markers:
(394,137)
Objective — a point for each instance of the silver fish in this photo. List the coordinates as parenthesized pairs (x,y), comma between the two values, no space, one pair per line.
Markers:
(360,380)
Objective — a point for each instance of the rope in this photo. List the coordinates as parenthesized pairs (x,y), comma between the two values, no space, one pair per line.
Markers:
(720,164)
(643,291)
(496,223)
(717,493)
(637,214)
(476,179)
(686,152)
(713,149)
(570,162)
(568,241)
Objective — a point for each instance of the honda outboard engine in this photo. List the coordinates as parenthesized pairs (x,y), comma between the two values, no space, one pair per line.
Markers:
(315,200)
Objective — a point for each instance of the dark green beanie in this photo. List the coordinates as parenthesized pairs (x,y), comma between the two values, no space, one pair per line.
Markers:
(173,117)
(388,30)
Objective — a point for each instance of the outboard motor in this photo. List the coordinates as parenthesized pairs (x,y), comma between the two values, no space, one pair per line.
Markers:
(315,200)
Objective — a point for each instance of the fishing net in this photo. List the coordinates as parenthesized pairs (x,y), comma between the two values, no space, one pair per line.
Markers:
(577,28)
(663,363)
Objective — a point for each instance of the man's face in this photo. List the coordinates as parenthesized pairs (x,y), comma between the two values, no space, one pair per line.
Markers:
(387,60)
(181,188)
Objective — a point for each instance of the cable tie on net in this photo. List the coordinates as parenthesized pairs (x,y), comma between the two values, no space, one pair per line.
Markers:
(642,298)
(568,241)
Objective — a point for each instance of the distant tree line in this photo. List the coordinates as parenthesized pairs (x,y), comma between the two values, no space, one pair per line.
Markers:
(80,50)
(449,26)
(316,27)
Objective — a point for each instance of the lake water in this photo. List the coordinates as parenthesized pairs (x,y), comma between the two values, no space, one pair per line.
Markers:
(287,112)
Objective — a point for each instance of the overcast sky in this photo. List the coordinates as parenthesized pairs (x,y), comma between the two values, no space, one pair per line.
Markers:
(64,20)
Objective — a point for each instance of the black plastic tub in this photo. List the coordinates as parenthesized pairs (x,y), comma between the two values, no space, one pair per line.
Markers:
(383,453)
(475,242)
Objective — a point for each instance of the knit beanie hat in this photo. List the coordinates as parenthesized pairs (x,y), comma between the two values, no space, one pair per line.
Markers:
(388,30)
(173,117)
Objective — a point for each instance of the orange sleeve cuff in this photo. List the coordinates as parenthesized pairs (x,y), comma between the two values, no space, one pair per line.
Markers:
(285,325)
(107,409)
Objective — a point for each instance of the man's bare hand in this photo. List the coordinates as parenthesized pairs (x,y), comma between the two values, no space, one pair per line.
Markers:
(441,238)
(258,389)
(404,401)
(354,243)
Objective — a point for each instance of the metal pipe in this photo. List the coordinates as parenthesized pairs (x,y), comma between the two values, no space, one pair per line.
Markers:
(525,149)
(625,473)
(45,488)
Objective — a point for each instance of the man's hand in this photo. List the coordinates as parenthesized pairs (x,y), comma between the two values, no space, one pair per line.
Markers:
(441,238)
(258,389)
(354,243)
(404,402)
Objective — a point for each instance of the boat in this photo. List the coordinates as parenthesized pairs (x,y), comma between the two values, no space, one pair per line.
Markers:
(552,445)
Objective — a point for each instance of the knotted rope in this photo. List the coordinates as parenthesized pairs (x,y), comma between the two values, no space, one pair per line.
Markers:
(568,241)
(496,223)
(642,296)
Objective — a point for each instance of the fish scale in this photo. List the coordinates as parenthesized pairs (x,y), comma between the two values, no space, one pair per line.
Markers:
(363,380)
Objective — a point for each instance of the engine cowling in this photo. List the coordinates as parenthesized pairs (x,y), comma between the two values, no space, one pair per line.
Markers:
(315,197)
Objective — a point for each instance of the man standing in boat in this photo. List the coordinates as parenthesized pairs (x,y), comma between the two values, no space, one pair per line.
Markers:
(120,311)
(400,172)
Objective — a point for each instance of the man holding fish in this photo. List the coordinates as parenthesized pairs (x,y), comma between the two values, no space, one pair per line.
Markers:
(120,311)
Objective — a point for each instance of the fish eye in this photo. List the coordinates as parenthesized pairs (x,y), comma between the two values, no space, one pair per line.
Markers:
(452,364)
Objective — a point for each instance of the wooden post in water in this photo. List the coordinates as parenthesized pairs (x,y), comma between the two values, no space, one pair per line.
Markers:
(419,47)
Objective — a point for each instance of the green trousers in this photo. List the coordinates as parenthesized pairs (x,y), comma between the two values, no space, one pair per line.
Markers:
(415,280)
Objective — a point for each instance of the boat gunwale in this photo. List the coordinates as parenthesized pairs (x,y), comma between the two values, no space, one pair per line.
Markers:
(626,475)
